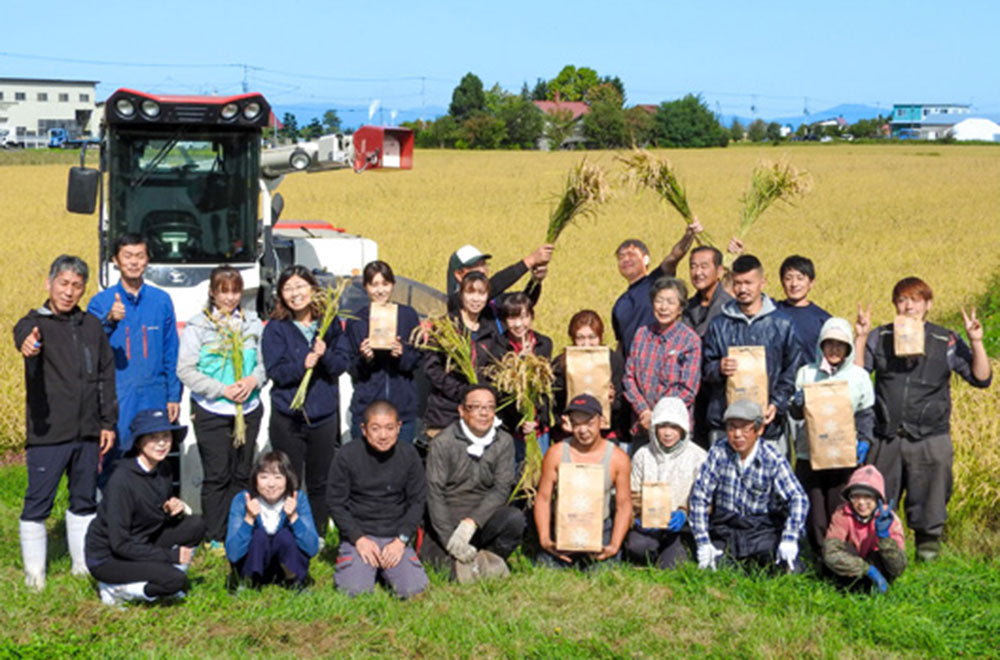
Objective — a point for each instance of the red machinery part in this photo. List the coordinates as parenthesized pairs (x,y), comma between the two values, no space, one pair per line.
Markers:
(383,147)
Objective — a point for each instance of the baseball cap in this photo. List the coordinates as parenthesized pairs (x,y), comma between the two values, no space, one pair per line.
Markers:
(584,403)
(467,255)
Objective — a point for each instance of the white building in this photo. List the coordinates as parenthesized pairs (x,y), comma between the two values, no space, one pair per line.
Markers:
(976,128)
(29,107)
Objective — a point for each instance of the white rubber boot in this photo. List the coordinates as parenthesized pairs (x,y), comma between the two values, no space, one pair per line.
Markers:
(76,532)
(117,594)
(33,549)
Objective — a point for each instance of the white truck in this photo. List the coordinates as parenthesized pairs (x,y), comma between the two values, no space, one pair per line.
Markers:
(189,174)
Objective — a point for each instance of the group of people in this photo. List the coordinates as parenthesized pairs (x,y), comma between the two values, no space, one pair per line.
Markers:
(431,481)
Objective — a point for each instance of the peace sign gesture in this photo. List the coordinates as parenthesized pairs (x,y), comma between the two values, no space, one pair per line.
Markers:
(973,327)
(863,324)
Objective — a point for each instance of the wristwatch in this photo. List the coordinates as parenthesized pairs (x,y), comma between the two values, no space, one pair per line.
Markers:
(404,538)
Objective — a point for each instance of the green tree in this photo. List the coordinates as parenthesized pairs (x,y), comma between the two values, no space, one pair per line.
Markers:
(468,97)
(802,131)
(639,126)
(774,132)
(524,122)
(290,130)
(618,84)
(331,121)
(867,128)
(481,131)
(571,84)
(559,125)
(688,122)
(540,92)
(757,130)
(494,98)
(312,130)
(736,130)
(604,125)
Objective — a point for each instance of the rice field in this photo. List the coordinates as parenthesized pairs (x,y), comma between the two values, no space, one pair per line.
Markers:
(874,215)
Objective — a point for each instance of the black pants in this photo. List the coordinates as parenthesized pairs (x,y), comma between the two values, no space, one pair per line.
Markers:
(823,489)
(46,465)
(501,535)
(226,468)
(163,578)
(311,452)
(663,548)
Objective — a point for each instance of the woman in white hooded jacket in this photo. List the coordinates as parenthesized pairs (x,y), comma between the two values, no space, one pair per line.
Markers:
(835,362)
(670,457)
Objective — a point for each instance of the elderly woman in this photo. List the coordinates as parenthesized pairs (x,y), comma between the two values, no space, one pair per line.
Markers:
(665,358)
(669,457)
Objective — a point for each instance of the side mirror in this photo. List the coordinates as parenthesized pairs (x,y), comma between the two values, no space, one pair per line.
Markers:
(81,194)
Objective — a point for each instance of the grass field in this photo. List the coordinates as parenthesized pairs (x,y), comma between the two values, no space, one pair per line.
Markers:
(875,214)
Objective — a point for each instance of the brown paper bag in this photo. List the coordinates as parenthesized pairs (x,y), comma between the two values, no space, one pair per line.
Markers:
(750,379)
(656,505)
(580,507)
(829,419)
(907,336)
(382,325)
(588,370)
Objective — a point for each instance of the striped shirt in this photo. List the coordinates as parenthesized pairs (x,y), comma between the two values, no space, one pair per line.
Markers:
(765,485)
(662,363)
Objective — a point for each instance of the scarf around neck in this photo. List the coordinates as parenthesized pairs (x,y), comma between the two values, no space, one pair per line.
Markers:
(477,445)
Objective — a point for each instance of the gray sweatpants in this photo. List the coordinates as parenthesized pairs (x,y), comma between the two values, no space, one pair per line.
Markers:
(923,469)
(353,576)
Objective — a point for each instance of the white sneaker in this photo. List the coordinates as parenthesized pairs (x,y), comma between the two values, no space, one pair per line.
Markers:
(111,594)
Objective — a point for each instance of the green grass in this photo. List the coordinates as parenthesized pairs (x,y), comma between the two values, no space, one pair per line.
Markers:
(948,608)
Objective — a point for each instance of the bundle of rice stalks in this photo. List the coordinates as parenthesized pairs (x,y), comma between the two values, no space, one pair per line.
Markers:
(230,349)
(525,380)
(769,183)
(644,170)
(586,188)
(331,307)
(442,334)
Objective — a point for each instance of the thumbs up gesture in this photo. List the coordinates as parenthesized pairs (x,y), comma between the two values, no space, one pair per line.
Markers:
(117,312)
(32,346)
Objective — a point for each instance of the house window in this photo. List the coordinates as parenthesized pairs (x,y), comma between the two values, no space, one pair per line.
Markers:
(20,96)
(42,96)
(85,98)
(64,98)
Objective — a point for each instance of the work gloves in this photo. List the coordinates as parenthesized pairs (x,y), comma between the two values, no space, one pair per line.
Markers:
(708,554)
(863,447)
(459,545)
(883,519)
(788,552)
(878,579)
(677,520)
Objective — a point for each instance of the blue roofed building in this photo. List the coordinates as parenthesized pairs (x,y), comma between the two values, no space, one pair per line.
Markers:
(926,121)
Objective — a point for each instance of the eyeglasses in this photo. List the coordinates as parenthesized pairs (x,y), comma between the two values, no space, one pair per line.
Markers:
(295,288)
(480,408)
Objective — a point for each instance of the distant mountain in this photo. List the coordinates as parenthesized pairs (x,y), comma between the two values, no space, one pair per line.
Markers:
(354,116)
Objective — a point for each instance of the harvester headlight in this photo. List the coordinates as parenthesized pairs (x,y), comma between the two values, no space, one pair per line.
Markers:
(125,108)
(150,108)
(251,111)
(299,160)
(229,110)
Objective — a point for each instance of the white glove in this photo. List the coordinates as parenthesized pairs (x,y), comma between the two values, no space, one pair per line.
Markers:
(788,551)
(458,545)
(707,555)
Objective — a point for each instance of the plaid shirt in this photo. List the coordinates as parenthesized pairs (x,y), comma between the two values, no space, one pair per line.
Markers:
(766,485)
(662,363)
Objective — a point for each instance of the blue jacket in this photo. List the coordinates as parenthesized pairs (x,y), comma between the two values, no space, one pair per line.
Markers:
(284,349)
(771,329)
(238,533)
(385,377)
(144,344)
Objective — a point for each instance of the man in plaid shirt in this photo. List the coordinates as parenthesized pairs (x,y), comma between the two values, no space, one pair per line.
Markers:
(758,508)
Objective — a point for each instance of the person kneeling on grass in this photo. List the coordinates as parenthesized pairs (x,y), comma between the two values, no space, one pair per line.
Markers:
(583,419)
(865,538)
(376,493)
(271,534)
(758,508)
(140,544)
(669,457)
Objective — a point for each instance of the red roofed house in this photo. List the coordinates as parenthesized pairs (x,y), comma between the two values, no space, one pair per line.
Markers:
(578,109)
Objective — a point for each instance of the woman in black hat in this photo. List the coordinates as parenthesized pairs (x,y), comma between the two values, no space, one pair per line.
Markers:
(142,540)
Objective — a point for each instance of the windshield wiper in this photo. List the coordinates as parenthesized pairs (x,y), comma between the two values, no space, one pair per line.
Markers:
(157,159)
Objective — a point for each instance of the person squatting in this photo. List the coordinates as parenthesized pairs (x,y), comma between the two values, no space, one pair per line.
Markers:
(697,438)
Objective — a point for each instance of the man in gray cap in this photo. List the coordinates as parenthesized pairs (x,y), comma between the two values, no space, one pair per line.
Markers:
(758,508)
(469,258)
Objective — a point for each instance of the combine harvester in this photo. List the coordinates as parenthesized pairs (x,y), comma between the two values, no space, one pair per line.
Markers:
(188,173)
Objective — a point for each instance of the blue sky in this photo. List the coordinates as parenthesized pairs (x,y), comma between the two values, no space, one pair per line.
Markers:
(774,55)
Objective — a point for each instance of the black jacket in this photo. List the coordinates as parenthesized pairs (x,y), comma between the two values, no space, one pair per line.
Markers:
(447,384)
(131,515)
(371,493)
(70,385)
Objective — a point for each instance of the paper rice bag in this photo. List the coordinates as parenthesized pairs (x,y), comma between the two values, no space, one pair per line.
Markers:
(580,507)
(656,505)
(750,379)
(829,418)
(588,370)
(382,325)
(907,336)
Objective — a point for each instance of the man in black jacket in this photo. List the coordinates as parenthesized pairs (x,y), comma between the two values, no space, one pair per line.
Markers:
(376,493)
(72,411)
(468,258)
